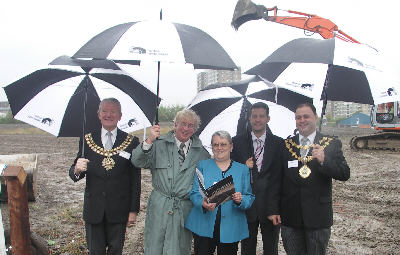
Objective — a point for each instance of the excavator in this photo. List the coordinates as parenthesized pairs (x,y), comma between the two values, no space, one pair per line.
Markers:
(384,117)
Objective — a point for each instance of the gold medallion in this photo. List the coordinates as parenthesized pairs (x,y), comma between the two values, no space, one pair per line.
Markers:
(304,171)
(108,163)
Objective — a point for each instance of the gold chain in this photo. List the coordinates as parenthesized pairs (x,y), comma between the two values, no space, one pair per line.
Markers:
(108,163)
(305,171)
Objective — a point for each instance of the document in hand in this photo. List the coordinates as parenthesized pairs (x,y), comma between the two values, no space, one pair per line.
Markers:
(219,192)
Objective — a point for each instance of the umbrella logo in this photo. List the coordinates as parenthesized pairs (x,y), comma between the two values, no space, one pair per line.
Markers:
(137,50)
(47,121)
(391,92)
(127,125)
(132,122)
(307,86)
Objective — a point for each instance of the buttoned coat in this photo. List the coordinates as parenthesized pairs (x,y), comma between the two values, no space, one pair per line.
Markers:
(233,226)
(307,202)
(113,193)
(169,205)
(266,182)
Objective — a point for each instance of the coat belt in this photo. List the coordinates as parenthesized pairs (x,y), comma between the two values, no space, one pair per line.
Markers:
(174,205)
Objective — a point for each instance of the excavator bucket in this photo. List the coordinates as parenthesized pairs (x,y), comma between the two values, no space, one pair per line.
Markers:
(245,11)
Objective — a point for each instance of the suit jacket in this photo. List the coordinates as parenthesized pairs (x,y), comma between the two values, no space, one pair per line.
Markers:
(307,202)
(113,193)
(266,183)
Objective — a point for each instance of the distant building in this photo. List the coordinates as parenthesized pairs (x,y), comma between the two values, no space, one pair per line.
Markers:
(5,107)
(338,109)
(356,120)
(217,76)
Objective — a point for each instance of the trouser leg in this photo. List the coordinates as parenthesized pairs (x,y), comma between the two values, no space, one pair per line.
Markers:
(270,237)
(293,240)
(249,245)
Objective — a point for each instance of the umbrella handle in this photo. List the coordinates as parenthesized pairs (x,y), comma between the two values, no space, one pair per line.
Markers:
(84,117)
(158,91)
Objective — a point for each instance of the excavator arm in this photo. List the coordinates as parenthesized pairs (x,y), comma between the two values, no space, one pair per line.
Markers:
(246,10)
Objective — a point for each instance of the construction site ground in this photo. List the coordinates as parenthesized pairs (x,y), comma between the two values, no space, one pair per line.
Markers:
(366,208)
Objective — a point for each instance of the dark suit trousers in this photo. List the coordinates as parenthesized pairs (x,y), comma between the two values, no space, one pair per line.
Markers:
(105,235)
(299,241)
(270,238)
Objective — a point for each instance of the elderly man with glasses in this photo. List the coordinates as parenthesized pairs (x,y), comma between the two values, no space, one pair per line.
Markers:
(172,160)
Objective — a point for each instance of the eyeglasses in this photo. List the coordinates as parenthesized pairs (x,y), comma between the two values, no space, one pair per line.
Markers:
(217,145)
(187,125)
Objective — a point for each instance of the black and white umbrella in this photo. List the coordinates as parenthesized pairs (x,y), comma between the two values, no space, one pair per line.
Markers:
(227,107)
(159,41)
(63,98)
(332,70)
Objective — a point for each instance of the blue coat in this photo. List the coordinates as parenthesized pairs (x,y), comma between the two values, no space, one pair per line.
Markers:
(233,226)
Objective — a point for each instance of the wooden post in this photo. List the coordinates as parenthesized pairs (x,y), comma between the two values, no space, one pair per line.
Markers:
(18,209)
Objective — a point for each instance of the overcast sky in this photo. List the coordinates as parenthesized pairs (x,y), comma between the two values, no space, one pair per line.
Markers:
(33,33)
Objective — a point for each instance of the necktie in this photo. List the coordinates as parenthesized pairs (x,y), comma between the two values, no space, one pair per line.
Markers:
(258,153)
(109,142)
(304,141)
(181,153)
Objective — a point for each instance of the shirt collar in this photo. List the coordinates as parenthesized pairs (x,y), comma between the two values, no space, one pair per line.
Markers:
(187,143)
(311,137)
(104,132)
(254,137)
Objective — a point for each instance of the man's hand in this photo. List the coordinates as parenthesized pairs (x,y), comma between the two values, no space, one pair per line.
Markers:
(81,166)
(208,206)
(250,163)
(153,134)
(318,153)
(276,219)
(131,219)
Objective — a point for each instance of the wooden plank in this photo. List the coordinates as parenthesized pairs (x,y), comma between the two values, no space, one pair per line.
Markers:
(18,210)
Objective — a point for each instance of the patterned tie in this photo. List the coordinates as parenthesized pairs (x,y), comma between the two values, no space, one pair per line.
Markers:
(181,153)
(258,153)
(304,141)
(109,142)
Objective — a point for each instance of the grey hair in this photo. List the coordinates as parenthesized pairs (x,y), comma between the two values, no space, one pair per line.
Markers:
(110,100)
(189,115)
(223,134)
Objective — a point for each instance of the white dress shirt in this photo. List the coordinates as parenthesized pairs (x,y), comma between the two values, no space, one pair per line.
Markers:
(311,139)
(104,136)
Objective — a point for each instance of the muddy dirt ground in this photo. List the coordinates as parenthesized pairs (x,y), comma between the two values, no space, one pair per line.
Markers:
(367,207)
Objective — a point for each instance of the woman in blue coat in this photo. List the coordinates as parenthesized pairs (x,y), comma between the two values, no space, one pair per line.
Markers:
(223,226)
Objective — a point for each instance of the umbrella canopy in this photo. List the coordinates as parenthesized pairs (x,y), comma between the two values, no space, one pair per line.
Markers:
(157,41)
(227,107)
(344,71)
(63,98)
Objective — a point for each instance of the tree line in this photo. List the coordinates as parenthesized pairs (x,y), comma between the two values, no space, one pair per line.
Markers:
(165,114)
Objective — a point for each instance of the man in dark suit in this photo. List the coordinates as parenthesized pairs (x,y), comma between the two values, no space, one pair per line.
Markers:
(312,161)
(112,192)
(262,152)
